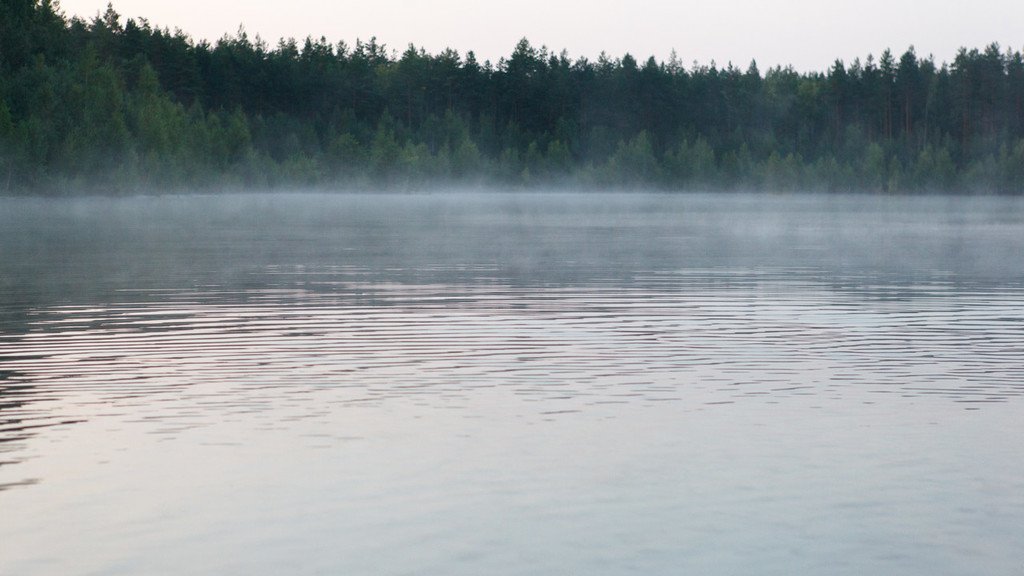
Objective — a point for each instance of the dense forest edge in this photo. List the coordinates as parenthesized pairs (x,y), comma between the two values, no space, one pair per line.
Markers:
(120,105)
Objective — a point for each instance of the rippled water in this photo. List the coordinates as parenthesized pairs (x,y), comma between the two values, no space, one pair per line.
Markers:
(512,384)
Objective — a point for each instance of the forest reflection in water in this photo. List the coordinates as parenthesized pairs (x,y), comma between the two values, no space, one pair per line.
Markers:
(512,384)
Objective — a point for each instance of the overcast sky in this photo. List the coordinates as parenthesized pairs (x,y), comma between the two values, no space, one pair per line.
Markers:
(810,34)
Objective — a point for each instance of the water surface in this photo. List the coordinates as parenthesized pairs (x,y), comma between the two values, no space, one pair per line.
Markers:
(512,384)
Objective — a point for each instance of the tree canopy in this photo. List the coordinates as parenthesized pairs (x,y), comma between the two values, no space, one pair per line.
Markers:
(119,104)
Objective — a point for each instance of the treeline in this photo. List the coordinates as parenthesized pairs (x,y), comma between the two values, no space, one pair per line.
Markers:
(121,104)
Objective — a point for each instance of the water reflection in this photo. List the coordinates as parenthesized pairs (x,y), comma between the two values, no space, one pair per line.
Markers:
(645,365)
(13,429)
(699,338)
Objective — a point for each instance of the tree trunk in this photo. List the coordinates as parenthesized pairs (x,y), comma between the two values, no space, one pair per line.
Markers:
(908,119)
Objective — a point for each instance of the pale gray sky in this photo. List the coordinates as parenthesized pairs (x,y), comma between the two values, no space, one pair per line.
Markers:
(806,33)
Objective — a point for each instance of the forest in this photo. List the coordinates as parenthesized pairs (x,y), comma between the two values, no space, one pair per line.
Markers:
(118,105)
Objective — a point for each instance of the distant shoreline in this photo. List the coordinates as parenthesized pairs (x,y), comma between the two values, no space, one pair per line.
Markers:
(484,189)
(122,106)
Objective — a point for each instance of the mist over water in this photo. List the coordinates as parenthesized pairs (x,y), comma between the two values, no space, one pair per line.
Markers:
(512,384)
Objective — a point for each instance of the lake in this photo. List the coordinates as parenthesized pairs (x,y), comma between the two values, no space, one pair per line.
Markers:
(501,383)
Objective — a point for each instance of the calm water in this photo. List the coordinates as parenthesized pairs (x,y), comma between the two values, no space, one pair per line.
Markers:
(512,384)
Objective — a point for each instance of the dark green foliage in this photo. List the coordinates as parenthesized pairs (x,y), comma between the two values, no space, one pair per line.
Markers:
(116,105)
